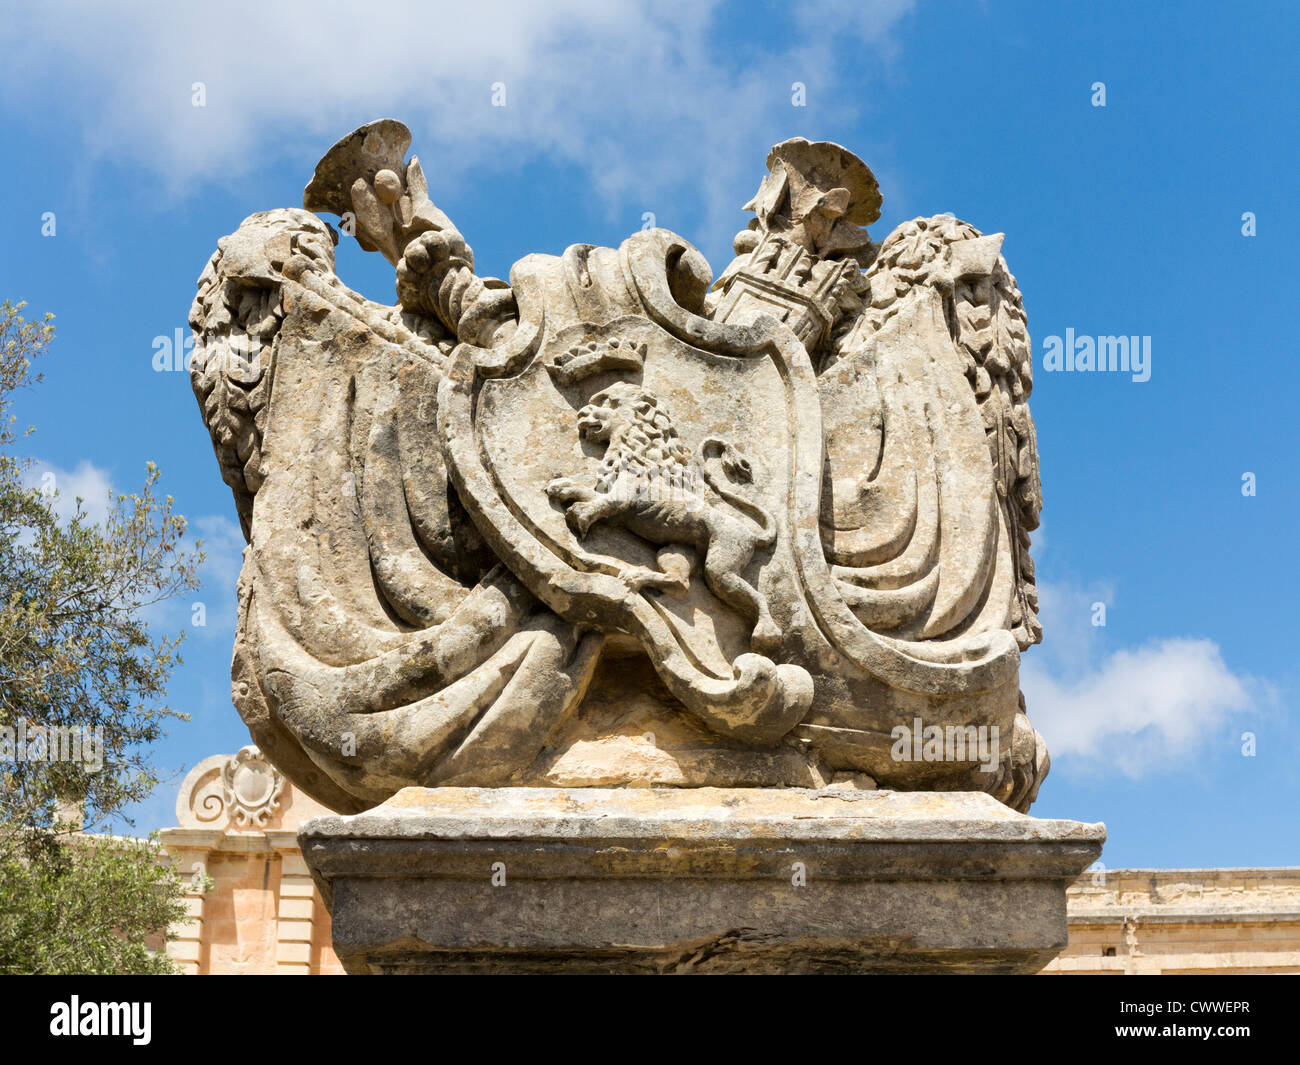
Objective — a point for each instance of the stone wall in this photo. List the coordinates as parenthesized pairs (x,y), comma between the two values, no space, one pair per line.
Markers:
(254,909)
(1154,921)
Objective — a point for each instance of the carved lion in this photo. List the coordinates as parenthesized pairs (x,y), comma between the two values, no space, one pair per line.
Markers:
(651,485)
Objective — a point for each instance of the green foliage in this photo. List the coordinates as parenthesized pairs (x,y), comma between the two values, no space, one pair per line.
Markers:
(88,908)
(76,651)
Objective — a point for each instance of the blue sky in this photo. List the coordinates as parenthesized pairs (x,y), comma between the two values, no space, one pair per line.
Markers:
(1123,219)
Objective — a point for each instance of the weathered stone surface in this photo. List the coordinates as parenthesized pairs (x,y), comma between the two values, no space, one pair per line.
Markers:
(796,502)
(695,880)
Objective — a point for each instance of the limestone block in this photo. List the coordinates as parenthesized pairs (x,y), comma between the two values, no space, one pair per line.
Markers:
(695,880)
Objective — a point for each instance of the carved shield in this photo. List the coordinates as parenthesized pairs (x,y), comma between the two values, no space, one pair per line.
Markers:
(656,475)
(643,470)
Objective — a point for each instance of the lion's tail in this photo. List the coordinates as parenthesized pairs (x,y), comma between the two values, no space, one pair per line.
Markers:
(736,465)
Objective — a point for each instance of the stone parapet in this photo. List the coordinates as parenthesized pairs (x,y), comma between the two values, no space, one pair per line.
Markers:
(1164,921)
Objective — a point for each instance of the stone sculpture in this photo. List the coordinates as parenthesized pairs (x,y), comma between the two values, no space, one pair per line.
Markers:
(615,523)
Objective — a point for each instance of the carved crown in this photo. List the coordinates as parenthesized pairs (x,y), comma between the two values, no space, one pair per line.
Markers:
(596,356)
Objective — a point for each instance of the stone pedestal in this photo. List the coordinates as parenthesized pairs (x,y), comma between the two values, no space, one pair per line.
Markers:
(707,880)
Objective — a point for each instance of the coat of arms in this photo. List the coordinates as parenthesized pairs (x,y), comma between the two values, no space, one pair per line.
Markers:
(617,523)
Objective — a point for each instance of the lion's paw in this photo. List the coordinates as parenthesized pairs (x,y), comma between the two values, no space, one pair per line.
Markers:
(566,490)
(582,516)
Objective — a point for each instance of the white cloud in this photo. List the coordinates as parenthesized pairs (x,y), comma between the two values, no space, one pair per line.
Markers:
(651,99)
(1135,710)
(223,549)
(87,482)
(1156,704)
